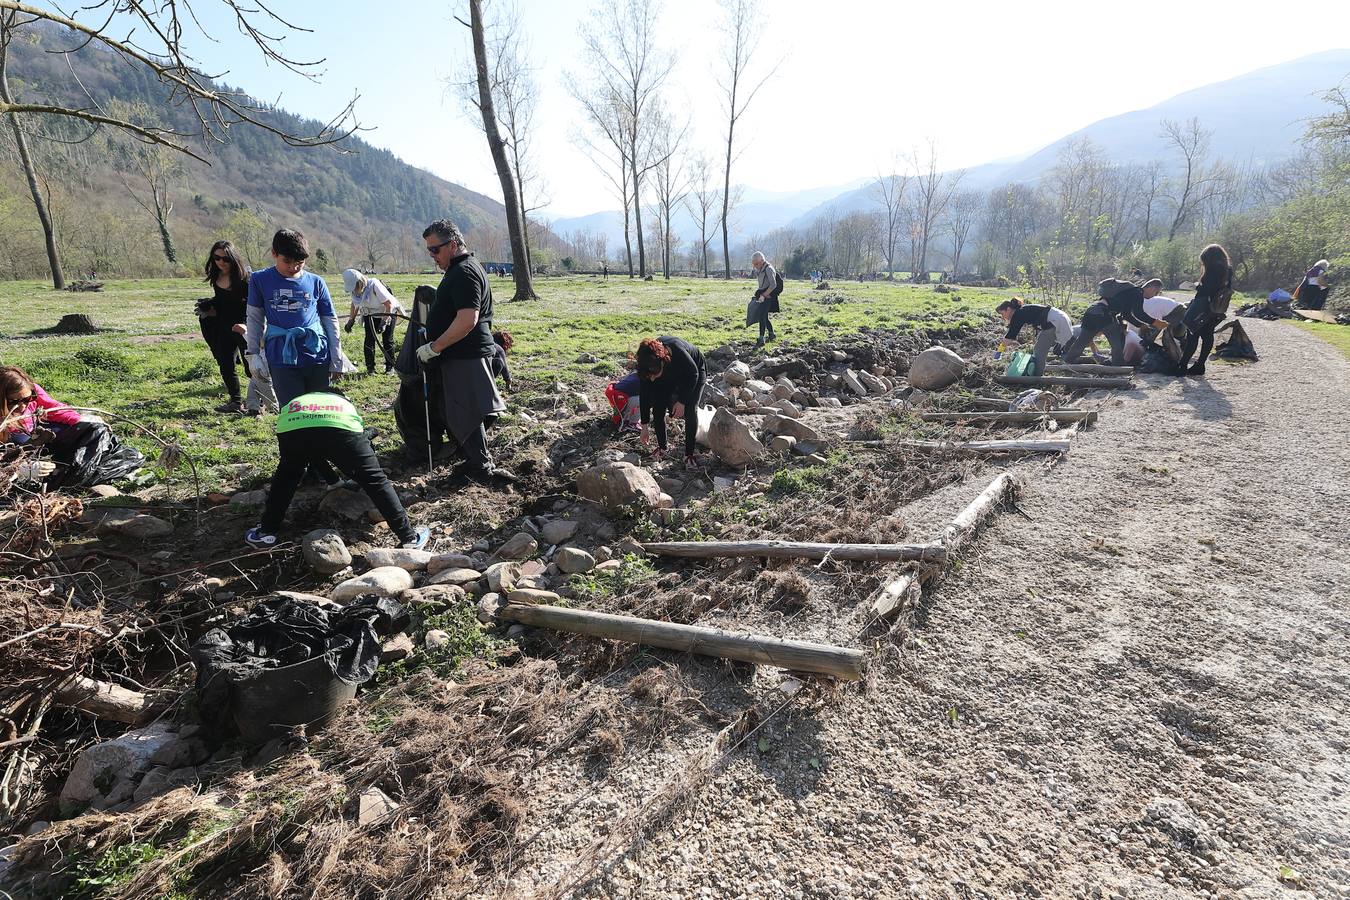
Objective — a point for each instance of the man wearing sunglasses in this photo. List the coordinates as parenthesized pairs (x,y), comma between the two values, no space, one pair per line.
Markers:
(460,350)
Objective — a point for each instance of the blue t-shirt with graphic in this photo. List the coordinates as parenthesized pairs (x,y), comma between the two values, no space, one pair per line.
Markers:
(299,302)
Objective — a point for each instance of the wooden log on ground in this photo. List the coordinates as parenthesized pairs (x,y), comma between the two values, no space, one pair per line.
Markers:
(798,656)
(1013,418)
(795,550)
(897,593)
(107,701)
(1088,369)
(1064,381)
(1053,445)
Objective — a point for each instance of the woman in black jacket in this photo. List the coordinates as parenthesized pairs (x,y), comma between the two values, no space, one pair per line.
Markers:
(1208,308)
(673,377)
(228,276)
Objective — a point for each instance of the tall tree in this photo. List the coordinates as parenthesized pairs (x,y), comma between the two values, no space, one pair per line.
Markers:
(671,182)
(608,151)
(933,190)
(1197,181)
(889,192)
(702,204)
(155,169)
(963,211)
(515,220)
(743,30)
(628,70)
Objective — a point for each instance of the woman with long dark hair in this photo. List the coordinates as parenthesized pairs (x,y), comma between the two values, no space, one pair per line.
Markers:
(1208,308)
(672,373)
(228,276)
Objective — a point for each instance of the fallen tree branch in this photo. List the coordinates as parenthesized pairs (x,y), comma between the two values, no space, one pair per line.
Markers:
(1089,369)
(798,656)
(794,550)
(107,701)
(1064,381)
(1013,418)
(1053,445)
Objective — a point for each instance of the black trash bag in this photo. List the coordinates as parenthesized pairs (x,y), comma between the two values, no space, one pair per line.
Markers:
(1238,345)
(413,401)
(280,631)
(88,453)
(1156,362)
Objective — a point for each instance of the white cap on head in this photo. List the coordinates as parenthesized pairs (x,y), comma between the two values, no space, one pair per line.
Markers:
(350,279)
(1323,263)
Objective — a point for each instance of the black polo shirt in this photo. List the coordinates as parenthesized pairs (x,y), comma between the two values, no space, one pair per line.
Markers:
(464,286)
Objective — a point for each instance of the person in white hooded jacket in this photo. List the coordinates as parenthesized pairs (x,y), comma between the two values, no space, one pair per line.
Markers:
(375,304)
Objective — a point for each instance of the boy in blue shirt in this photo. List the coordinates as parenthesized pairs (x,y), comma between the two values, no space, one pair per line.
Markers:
(292,328)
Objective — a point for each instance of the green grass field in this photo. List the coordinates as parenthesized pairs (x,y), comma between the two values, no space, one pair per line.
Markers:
(1337,336)
(150,364)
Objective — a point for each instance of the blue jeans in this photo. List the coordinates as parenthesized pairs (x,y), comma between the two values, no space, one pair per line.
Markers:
(292,381)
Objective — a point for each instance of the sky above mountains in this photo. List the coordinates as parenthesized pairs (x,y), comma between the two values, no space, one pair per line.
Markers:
(856,82)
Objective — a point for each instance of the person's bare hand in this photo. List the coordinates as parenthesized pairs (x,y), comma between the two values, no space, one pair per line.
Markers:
(677,410)
(645,435)
(238,328)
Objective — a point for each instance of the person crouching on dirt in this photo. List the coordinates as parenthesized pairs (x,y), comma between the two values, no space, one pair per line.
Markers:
(501,345)
(673,377)
(1165,320)
(1312,291)
(1053,328)
(324,426)
(376,306)
(1103,317)
(292,329)
(461,349)
(766,297)
(1208,308)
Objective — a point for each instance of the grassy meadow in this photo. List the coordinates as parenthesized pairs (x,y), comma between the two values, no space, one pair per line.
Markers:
(151,365)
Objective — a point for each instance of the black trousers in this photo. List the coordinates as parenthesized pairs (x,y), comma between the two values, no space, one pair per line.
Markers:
(1093,324)
(227,348)
(1200,325)
(384,338)
(347,450)
(765,326)
(691,403)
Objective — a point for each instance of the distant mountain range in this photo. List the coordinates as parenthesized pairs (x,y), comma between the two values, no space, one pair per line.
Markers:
(1256,118)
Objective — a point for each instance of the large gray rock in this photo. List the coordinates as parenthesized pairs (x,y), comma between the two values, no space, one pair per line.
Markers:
(520,546)
(488,607)
(455,576)
(386,581)
(617,484)
(792,428)
(435,595)
(737,374)
(782,443)
(732,440)
(853,383)
(936,368)
(758,387)
(105,774)
(555,531)
(873,383)
(572,561)
(373,807)
(412,560)
(325,551)
(501,576)
(449,561)
(248,499)
(134,526)
(788,408)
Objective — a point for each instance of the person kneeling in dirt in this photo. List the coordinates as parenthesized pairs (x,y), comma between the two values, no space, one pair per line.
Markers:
(1053,328)
(673,372)
(324,426)
(460,351)
(1165,320)
(1103,317)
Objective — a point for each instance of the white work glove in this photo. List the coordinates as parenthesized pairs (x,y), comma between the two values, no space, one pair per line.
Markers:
(33,470)
(426,353)
(257,365)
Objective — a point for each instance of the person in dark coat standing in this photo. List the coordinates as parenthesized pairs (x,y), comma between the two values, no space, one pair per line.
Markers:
(1209,306)
(461,350)
(672,376)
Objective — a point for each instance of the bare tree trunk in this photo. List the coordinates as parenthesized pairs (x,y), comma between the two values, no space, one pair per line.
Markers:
(726,189)
(637,204)
(26,160)
(510,197)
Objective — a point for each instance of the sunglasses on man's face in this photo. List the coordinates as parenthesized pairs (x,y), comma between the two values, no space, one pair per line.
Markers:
(433,249)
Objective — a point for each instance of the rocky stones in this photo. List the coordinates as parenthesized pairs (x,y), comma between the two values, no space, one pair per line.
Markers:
(618,484)
(455,576)
(501,576)
(386,581)
(400,646)
(528,595)
(853,383)
(133,525)
(520,546)
(715,398)
(352,505)
(581,401)
(443,561)
(325,551)
(105,774)
(572,561)
(556,531)
(737,374)
(732,441)
(873,384)
(373,807)
(838,356)
(782,391)
(161,780)
(105,491)
(412,560)
(936,368)
(248,499)
(436,639)
(437,595)
(788,408)
(758,387)
(792,428)
(488,607)
(721,484)
(782,443)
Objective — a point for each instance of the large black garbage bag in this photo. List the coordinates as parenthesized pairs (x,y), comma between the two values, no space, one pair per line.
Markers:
(88,453)
(281,631)
(1156,362)
(1238,345)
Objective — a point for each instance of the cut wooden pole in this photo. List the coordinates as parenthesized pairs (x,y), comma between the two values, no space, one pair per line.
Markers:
(1053,445)
(898,593)
(107,701)
(1088,369)
(799,656)
(795,550)
(1013,418)
(1064,381)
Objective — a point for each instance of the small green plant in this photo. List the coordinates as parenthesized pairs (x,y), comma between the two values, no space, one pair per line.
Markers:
(466,639)
(632,571)
(798,481)
(116,866)
(606,369)
(102,359)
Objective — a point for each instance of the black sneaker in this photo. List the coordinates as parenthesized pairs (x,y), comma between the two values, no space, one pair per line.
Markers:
(233,406)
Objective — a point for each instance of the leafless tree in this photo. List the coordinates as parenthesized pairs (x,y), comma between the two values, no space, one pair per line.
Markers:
(608,150)
(702,203)
(742,29)
(671,182)
(933,190)
(515,218)
(628,71)
(962,213)
(889,192)
(147,170)
(375,246)
(1197,181)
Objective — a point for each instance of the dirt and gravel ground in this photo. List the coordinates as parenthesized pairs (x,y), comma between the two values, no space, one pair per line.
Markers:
(1141,692)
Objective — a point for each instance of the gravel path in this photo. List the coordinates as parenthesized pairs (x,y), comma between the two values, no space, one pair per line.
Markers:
(1140,693)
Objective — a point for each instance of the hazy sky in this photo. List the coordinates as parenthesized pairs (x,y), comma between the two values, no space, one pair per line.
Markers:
(857,81)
